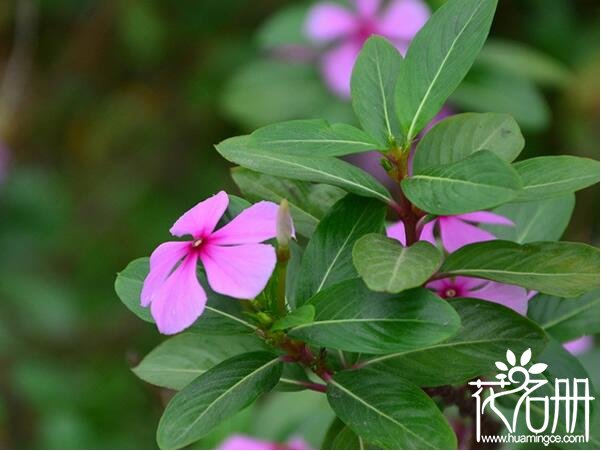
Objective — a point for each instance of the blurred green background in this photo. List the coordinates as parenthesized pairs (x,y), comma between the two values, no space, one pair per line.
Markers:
(108,113)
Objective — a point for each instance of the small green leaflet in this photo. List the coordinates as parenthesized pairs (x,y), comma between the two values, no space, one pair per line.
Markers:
(300,316)
(387,266)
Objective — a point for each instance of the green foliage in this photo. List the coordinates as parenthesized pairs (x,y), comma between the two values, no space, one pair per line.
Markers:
(372,88)
(461,135)
(302,315)
(555,268)
(216,395)
(179,360)
(388,411)
(566,319)
(482,180)
(328,256)
(308,202)
(385,265)
(239,150)
(487,331)
(549,177)
(438,58)
(350,317)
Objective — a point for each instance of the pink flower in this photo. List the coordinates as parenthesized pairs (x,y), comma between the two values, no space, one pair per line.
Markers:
(245,442)
(455,231)
(346,31)
(511,296)
(235,264)
(579,345)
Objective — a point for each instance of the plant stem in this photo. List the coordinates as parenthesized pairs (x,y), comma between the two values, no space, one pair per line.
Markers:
(283,257)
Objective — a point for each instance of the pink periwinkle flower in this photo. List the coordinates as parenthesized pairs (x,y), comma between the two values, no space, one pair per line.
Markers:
(455,231)
(511,296)
(235,263)
(579,345)
(244,442)
(346,30)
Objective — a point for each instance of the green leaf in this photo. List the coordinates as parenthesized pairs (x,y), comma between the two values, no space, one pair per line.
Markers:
(385,265)
(493,91)
(556,268)
(477,182)
(311,138)
(284,28)
(308,202)
(323,170)
(222,315)
(372,89)
(328,256)
(459,136)
(268,91)
(179,360)
(389,411)
(523,61)
(301,315)
(548,177)
(540,220)
(438,58)
(566,319)
(347,439)
(215,396)
(487,331)
(350,317)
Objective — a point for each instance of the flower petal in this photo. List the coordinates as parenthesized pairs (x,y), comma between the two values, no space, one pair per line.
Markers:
(579,345)
(454,233)
(511,296)
(328,21)
(255,224)
(485,217)
(367,8)
(201,219)
(428,232)
(403,19)
(397,231)
(238,271)
(337,67)
(180,300)
(238,441)
(162,261)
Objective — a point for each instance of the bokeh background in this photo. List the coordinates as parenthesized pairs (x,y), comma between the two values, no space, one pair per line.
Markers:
(109,110)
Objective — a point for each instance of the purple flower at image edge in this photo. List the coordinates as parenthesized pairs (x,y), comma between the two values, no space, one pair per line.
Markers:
(344,31)
(235,263)
(244,442)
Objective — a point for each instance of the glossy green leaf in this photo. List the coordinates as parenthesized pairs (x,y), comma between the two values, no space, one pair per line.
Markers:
(540,220)
(566,319)
(308,202)
(548,177)
(350,317)
(323,170)
(477,182)
(556,268)
(385,265)
(347,439)
(438,58)
(179,360)
(459,136)
(298,317)
(487,331)
(222,315)
(372,89)
(328,256)
(388,411)
(215,396)
(311,138)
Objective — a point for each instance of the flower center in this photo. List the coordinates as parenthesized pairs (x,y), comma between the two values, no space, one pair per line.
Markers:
(196,244)
(450,293)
